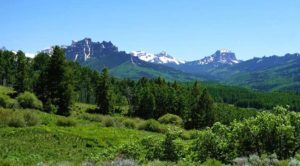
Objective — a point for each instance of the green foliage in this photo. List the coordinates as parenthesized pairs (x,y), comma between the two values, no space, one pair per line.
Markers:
(266,133)
(211,145)
(108,122)
(65,122)
(212,162)
(247,98)
(31,119)
(55,84)
(104,94)
(201,113)
(294,162)
(128,123)
(29,100)
(150,125)
(171,119)
(7,102)
(16,120)
(22,73)
(170,152)
(49,107)
(6,90)
(145,105)
(153,148)
(189,134)
(226,114)
(131,150)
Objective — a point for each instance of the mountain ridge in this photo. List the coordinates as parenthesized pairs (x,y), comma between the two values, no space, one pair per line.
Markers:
(265,73)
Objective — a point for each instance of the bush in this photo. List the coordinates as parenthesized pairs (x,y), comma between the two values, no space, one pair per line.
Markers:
(210,162)
(108,122)
(29,100)
(150,125)
(92,118)
(189,134)
(131,150)
(4,117)
(65,122)
(153,148)
(31,119)
(7,102)
(49,107)
(16,120)
(171,119)
(294,162)
(283,163)
(129,124)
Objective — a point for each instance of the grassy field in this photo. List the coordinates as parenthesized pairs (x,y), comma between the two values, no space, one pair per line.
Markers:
(49,143)
(50,139)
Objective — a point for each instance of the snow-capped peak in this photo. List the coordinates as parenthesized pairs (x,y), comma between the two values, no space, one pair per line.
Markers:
(222,56)
(160,58)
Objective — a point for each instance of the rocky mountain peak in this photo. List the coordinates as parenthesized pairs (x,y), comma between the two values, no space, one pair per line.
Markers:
(222,56)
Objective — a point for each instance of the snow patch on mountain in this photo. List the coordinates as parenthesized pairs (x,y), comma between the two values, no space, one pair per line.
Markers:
(160,58)
(30,55)
(222,56)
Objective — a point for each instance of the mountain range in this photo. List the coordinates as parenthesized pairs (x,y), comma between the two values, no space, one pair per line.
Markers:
(266,73)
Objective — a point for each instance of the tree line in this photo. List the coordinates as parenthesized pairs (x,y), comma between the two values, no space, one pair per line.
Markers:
(59,83)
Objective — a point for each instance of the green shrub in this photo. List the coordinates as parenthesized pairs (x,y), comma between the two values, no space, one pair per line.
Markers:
(65,122)
(108,121)
(92,117)
(150,125)
(170,119)
(212,162)
(16,120)
(49,107)
(7,102)
(170,152)
(128,123)
(4,117)
(132,150)
(153,147)
(294,162)
(29,100)
(189,134)
(283,163)
(31,119)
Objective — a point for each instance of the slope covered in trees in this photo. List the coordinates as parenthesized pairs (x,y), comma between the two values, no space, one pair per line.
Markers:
(186,122)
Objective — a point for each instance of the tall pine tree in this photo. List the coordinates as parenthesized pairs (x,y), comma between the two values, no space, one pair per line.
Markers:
(22,73)
(55,82)
(104,94)
(147,104)
(201,112)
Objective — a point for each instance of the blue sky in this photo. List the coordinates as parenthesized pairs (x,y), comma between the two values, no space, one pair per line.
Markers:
(187,29)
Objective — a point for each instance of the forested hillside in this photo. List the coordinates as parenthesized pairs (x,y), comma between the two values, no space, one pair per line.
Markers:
(55,111)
